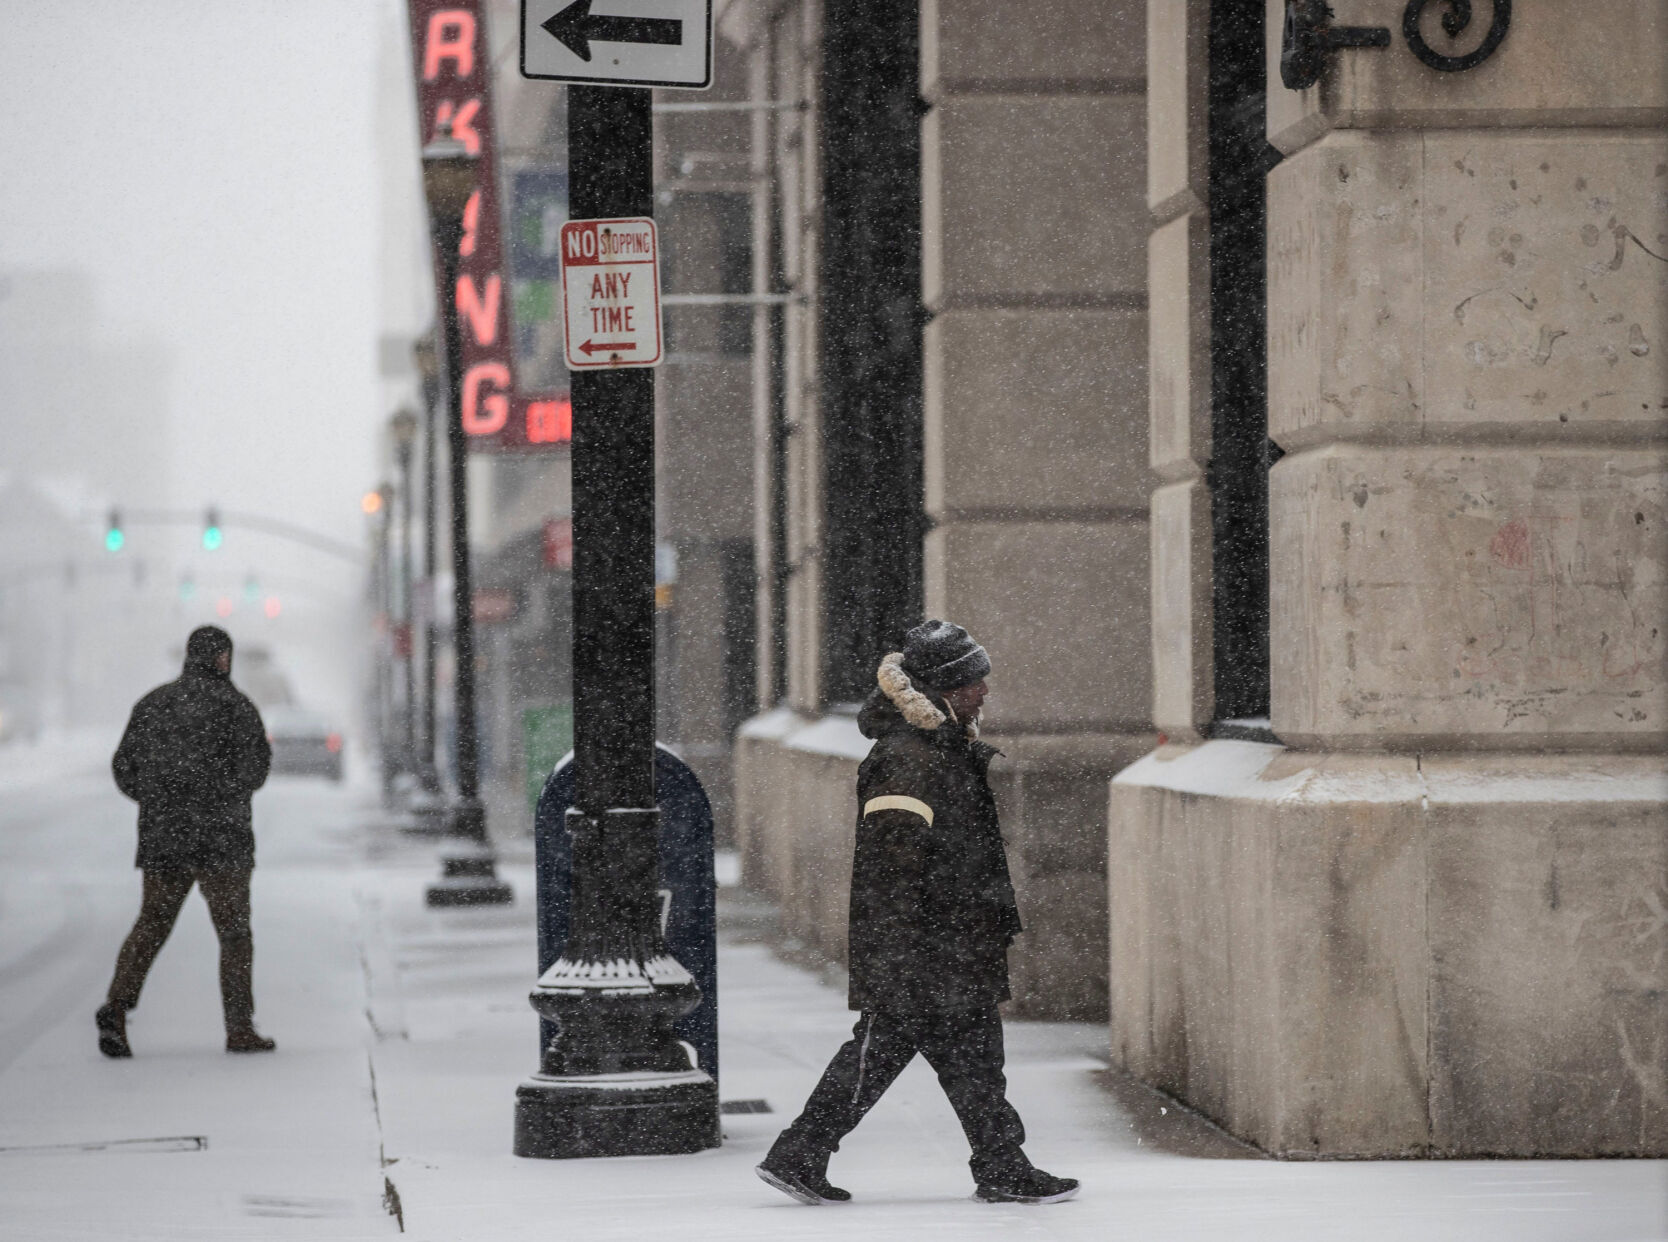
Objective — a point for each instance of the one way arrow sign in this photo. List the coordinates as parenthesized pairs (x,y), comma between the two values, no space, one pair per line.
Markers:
(618,42)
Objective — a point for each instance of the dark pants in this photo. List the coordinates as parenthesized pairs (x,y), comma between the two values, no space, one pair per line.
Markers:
(227,895)
(964,1048)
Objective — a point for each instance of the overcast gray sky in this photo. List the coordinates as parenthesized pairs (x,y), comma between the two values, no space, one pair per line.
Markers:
(213,167)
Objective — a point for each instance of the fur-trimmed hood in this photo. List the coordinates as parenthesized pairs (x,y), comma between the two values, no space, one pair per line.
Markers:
(899,701)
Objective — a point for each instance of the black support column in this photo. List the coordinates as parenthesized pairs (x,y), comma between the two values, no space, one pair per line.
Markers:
(615,1081)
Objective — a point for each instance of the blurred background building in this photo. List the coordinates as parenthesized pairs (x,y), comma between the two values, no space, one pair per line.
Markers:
(521,506)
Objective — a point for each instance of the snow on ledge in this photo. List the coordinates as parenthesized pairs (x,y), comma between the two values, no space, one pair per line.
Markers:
(1224,768)
(834,735)
(771,726)
(1221,768)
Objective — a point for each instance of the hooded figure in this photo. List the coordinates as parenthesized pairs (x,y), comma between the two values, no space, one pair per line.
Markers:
(932,915)
(193,754)
(932,906)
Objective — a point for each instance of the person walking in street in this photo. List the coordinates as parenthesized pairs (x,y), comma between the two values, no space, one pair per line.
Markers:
(194,753)
(932,916)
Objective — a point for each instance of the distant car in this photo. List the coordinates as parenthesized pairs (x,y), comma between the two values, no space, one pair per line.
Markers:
(303,743)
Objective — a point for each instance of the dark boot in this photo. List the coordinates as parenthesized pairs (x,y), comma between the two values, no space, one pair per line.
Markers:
(248,1039)
(802,1175)
(1025,1186)
(112,1031)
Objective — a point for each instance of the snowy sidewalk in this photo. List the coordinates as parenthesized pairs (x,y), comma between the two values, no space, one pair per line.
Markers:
(403,1032)
(184,1140)
(457,1034)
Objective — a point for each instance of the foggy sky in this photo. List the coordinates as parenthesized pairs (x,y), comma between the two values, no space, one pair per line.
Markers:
(213,169)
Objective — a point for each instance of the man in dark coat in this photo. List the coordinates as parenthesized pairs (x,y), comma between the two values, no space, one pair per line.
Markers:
(194,753)
(932,915)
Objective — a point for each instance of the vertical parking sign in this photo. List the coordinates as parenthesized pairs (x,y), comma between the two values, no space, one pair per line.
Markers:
(611,293)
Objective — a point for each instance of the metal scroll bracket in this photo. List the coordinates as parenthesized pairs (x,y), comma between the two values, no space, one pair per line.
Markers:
(1454,22)
(1310,37)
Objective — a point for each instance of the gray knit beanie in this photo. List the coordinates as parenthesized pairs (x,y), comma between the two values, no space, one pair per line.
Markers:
(943,656)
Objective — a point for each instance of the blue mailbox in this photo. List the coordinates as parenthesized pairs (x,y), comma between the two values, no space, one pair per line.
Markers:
(688,887)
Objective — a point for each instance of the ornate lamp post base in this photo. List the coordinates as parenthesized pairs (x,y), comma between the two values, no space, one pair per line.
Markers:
(616,1080)
(640,1114)
(468,882)
(468,867)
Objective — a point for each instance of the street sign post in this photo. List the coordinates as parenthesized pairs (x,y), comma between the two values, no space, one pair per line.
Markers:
(628,43)
(616,1079)
(611,293)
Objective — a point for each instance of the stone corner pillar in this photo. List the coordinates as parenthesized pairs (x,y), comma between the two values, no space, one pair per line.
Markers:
(1434,917)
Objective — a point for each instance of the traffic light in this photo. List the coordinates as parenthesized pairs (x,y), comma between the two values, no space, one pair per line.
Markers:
(212,536)
(113,536)
(251,589)
(188,586)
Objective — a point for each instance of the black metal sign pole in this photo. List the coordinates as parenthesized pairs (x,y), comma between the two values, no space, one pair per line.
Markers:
(615,1081)
(469,876)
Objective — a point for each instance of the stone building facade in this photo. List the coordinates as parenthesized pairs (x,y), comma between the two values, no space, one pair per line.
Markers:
(1009,490)
(1300,457)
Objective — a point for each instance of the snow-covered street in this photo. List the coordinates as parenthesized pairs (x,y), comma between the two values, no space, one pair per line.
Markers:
(402,1033)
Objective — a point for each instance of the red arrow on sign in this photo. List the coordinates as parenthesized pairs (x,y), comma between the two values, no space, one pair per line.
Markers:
(591,347)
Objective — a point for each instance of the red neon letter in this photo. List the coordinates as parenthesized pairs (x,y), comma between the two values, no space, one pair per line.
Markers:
(482,317)
(549,422)
(471,225)
(451,36)
(462,116)
(485,416)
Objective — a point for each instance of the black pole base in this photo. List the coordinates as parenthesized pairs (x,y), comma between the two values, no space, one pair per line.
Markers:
(616,1115)
(468,878)
(469,891)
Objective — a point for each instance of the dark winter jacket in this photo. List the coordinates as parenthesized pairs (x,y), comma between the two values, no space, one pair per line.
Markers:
(194,753)
(932,904)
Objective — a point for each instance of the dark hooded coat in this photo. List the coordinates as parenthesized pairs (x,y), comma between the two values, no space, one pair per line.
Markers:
(932,903)
(194,753)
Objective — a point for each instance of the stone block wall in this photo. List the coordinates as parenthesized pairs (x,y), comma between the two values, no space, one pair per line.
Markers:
(1431,922)
(1035,467)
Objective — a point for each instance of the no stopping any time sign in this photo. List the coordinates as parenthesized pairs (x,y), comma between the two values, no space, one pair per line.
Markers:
(611,293)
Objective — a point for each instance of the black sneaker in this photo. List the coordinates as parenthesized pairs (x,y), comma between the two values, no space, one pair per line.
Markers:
(806,1185)
(1031,1186)
(112,1031)
(248,1039)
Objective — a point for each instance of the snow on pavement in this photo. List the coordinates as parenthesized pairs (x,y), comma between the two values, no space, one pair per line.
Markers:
(1150,1171)
(201,1144)
(403,1032)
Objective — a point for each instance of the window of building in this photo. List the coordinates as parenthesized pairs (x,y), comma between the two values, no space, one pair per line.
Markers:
(706,248)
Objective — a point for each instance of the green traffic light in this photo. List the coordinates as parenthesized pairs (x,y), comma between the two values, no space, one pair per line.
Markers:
(212,538)
(113,540)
